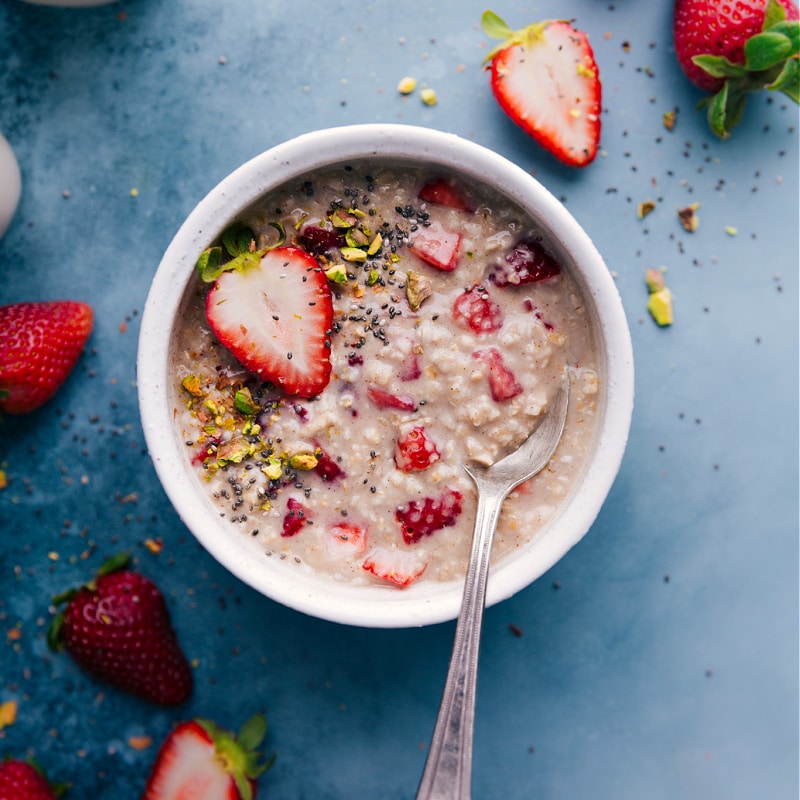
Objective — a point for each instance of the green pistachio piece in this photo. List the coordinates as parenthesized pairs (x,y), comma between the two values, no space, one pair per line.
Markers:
(304,461)
(418,289)
(234,450)
(375,245)
(373,277)
(244,403)
(193,385)
(274,468)
(353,254)
(341,219)
(654,279)
(660,306)
(336,274)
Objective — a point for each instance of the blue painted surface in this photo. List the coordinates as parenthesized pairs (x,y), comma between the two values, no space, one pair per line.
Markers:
(659,659)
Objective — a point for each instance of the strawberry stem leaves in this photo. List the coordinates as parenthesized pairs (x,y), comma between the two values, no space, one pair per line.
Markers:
(238,242)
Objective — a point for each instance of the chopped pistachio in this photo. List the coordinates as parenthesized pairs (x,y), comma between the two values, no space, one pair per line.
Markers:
(731,231)
(645,208)
(234,450)
(407,85)
(375,245)
(688,217)
(353,254)
(336,274)
(655,279)
(660,306)
(355,237)
(274,468)
(418,289)
(341,219)
(193,385)
(244,403)
(373,277)
(428,97)
(303,461)
(670,118)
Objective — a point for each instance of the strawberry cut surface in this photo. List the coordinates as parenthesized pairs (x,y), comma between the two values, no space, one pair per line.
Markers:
(547,81)
(276,320)
(436,246)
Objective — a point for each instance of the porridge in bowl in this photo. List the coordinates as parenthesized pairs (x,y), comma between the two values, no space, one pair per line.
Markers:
(350,343)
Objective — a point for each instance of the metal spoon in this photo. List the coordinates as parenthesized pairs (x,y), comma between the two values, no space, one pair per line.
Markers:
(448,768)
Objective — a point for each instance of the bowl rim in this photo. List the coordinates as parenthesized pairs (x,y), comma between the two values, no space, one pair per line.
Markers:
(427,602)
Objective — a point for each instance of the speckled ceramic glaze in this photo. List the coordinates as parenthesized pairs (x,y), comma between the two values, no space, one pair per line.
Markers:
(425,602)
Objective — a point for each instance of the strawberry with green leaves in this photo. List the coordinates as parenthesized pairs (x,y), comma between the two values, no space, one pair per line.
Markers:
(117,627)
(25,780)
(201,761)
(545,77)
(731,49)
(39,345)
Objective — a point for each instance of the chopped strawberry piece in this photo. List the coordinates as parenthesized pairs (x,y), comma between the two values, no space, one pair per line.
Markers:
(418,519)
(399,567)
(546,79)
(502,383)
(327,468)
(384,399)
(204,451)
(319,241)
(475,309)
(345,540)
(297,517)
(527,262)
(410,369)
(415,451)
(445,193)
(276,319)
(436,246)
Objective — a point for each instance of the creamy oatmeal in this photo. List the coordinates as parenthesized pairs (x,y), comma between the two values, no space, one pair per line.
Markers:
(451,328)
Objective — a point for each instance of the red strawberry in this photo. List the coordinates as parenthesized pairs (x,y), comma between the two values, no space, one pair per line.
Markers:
(318,241)
(274,313)
(297,517)
(545,78)
(399,567)
(445,193)
(327,467)
(436,246)
(418,519)
(200,761)
(415,451)
(39,345)
(24,780)
(731,49)
(475,309)
(502,383)
(384,399)
(117,627)
(345,540)
(526,262)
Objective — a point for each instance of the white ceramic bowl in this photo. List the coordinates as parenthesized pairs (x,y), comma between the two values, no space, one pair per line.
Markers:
(71,3)
(424,602)
(10,184)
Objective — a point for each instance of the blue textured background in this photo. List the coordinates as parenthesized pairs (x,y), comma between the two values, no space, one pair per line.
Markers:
(659,659)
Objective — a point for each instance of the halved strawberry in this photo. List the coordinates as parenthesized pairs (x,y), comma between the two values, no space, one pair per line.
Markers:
(400,567)
(274,314)
(445,193)
(201,761)
(436,246)
(545,78)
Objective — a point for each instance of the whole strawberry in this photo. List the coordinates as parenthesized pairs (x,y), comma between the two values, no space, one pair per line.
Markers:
(117,627)
(546,79)
(201,761)
(24,780)
(39,345)
(731,49)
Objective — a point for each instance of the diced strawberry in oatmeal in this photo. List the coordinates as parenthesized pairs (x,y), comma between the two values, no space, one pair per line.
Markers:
(415,450)
(384,399)
(436,246)
(345,540)
(422,518)
(475,309)
(502,383)
(399,567)
(297,517)
(444,192)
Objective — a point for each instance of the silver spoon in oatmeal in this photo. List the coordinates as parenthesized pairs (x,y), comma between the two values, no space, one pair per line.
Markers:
(448,768)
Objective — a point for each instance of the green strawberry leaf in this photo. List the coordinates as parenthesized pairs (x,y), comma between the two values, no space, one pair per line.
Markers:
(236,239)
(788,81)
(773,14)
(209,264)
(719,66)
(494,26)
(791,30)
(725,110)
(765,50)
(252,733)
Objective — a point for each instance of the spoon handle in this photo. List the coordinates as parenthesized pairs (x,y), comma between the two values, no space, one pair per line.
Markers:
(448,768)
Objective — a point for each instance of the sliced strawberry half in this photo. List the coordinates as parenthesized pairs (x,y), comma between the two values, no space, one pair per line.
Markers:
(399,567)
(198,760)
(275,317)
(436,246)
(546,79)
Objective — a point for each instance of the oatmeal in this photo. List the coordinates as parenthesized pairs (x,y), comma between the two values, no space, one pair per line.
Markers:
(354,340)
